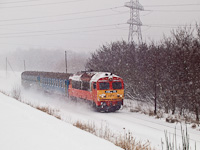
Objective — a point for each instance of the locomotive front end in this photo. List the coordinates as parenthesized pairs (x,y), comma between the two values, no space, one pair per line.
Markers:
(110,93)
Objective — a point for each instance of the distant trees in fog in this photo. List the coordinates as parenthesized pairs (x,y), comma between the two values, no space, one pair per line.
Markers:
(45,60)
(166,73)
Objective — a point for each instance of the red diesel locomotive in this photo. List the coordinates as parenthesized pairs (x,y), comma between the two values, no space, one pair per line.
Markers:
(105,90)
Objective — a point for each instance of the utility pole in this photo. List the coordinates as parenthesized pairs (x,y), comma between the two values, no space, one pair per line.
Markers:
(66,60)
(134,21)
(24,65)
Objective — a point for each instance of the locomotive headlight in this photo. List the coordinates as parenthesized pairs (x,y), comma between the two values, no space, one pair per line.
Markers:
(102,95)
(118,95)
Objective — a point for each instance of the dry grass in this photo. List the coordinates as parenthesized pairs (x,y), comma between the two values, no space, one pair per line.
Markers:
(16,93)
(5,93)
(126,141)
(90,127)
(49,111)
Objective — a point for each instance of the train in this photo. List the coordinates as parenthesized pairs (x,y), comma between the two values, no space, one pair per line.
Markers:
(104,90)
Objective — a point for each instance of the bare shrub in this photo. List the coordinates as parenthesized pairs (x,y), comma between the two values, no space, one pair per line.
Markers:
(194,126)
(160,114)
(151,113)
(172,119)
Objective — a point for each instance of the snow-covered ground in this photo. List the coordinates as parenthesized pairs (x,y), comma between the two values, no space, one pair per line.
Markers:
(143,128)
(25,128)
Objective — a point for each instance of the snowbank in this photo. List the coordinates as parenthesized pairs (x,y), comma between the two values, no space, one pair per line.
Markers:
(25,128)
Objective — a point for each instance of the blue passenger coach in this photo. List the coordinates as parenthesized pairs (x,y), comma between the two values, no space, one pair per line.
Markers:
(47,81)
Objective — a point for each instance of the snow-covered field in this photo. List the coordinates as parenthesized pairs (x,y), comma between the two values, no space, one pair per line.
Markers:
(142,127)
(25,128)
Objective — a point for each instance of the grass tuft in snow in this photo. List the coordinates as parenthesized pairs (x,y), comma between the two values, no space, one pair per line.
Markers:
(171,143)
(126,141)
(49,111)
(16,93)
(89,127)
(5,93)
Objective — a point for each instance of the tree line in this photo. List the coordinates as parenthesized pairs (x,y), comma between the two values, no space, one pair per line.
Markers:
(166,73)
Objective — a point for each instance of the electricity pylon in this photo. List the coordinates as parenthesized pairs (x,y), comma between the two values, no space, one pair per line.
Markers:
(134,21)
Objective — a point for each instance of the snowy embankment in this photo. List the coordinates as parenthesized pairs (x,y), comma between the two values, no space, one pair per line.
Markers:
(25,128)
(142,127)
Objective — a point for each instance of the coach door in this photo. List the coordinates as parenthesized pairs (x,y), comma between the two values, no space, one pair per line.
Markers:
(67,87)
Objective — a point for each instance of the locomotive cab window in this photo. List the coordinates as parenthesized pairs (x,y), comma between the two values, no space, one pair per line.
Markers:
(104,85)
(117,85)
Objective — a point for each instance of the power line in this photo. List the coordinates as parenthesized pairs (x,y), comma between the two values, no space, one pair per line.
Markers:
(179,11)
(43,4)
(53,47)
(19,2)
(43,31)
(66,14)
(168,25)
(61,20)
(175,5)
(100,26)
(64,32)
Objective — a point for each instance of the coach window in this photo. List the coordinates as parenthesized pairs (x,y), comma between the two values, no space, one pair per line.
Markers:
(85,86)
(76,84)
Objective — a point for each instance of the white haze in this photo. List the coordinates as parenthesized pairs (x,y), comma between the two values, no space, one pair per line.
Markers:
(43,60)
(63,25)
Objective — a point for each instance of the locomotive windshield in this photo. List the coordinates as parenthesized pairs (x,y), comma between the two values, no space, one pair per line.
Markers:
(104,85)
(117,85)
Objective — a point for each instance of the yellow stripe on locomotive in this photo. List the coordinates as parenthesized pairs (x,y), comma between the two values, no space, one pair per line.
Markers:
(111,95)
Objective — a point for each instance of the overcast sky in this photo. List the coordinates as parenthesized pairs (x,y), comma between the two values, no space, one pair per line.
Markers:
(84,25)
